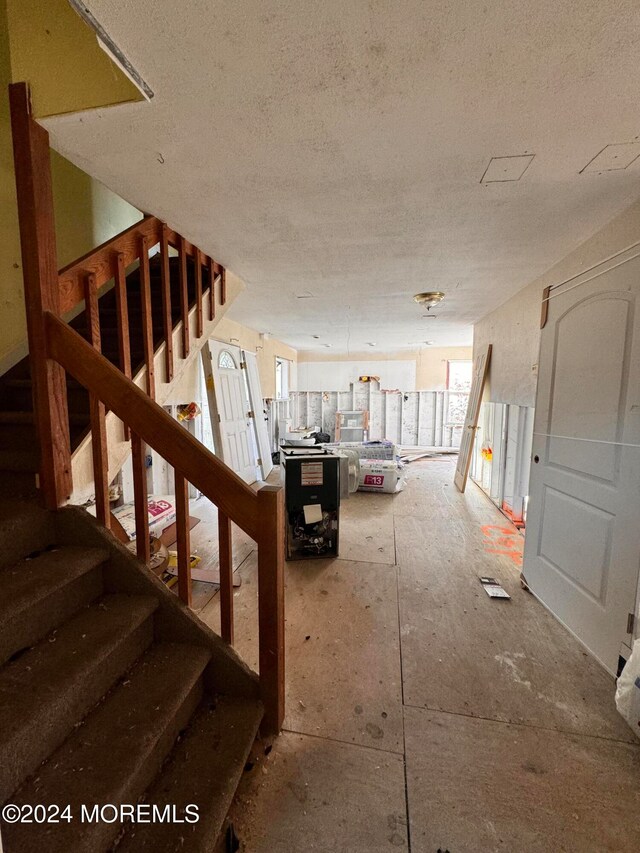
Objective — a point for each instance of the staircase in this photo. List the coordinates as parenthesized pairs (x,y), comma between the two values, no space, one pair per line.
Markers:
(112,693)
(19,454)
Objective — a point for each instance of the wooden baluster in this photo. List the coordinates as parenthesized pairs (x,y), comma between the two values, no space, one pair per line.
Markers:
(184,298)
(183,538)
(223,286)
(212,290)
(97,409)
(271,605)
(122,308)
(225,560)
(147,317)
(198,261)
(143,546)
(40,272)
(167,320)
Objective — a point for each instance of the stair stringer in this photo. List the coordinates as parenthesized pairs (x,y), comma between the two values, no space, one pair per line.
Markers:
(119,450)
(174,622)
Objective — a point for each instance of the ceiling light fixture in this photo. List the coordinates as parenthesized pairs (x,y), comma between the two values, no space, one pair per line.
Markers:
(429,298)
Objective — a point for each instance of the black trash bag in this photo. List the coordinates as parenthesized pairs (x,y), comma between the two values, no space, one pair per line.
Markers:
(321,437)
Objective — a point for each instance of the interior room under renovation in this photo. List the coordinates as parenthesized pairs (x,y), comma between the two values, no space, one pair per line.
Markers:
(319,426)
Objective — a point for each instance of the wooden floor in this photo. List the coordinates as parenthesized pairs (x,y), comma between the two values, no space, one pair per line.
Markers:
(422,715)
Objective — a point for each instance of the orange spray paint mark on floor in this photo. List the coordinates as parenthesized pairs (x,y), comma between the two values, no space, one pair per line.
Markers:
(503,540)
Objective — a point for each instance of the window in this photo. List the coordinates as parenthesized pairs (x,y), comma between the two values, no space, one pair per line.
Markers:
(225,359)
(459,376)
(282,378)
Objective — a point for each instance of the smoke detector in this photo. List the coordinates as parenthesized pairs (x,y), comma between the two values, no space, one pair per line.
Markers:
(429,298)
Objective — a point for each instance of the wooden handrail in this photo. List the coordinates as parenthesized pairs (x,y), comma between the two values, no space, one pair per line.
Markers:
(100,261)
(54,347)
(260,514)
(153,424)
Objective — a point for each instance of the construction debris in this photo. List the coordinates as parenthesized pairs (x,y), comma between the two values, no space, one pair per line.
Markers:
(493,588)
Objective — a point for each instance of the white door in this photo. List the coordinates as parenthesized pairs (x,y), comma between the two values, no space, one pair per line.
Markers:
(236,445)
(582,547)
(259,417)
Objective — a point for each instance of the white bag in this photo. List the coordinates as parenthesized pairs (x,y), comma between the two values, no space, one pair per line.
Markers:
(628,690)
(380,475)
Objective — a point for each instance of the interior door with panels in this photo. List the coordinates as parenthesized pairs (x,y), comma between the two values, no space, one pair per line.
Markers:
(237,448)
(582,548)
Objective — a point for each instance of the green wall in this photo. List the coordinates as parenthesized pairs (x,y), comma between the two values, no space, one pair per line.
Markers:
(86,213)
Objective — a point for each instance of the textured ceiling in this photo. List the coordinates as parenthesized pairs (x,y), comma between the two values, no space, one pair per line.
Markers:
(335,149)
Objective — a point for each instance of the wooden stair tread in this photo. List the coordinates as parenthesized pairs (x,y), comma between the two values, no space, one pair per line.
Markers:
(204,769)
(114,754)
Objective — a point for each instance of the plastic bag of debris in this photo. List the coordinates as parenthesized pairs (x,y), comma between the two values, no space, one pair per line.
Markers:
(628,689)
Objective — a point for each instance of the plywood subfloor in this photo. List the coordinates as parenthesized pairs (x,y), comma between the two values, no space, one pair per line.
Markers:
(204,543)
(479,785)
(507,728)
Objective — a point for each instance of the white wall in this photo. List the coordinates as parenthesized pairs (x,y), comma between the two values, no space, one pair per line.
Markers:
(337,375)
(514,328)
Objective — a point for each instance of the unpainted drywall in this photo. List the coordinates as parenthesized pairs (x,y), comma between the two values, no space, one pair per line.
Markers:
(424,369)
(58,54)
(339,374)
(514,328)
(266,350)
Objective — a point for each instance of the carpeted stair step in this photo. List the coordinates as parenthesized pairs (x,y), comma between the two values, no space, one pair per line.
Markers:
(17,394)
(113,756)
(204,769)
(24,528)
(25,460)
(18,433)
(42,591)
(20,484)
(48,689)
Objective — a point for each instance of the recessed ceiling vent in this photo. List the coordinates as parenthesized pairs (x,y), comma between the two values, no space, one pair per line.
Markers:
(503,169)
(613,157)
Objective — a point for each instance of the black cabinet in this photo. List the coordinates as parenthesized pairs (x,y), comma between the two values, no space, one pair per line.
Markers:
(312,501)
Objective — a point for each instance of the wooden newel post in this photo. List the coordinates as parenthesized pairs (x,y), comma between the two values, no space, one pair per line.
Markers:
(271,605)
(40,271)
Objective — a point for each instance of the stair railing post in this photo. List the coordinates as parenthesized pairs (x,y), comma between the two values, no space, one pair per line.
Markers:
(271,605)
(41,294)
